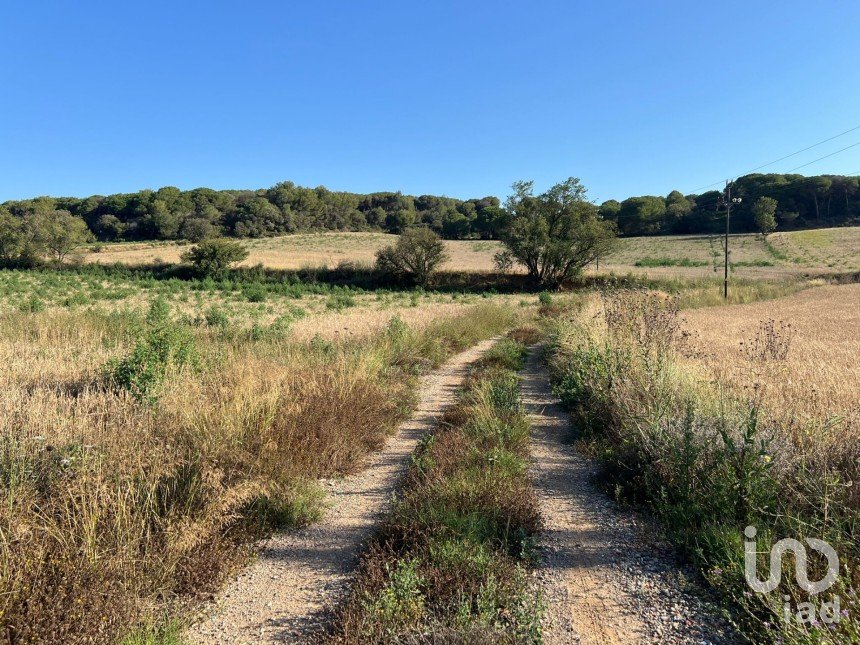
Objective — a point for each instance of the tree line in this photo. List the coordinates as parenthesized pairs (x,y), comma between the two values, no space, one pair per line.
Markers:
(53,225)
(553,235)
(169,213)
(801,202)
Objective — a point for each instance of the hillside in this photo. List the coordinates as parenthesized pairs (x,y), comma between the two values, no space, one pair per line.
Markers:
(819,250)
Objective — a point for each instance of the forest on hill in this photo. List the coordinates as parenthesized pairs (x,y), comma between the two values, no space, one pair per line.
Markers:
(801,202)
(171,213)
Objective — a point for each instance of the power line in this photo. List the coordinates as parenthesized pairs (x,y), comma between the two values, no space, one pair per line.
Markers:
(770,163)
(824,157)
(814,145)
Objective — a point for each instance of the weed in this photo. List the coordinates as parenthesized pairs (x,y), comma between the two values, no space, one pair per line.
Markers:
(451,558)
(160,347)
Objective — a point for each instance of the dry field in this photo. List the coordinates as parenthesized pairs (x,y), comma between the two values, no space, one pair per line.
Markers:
(752,419)
(303,250)
(820,375)
(147,431)
(694,256)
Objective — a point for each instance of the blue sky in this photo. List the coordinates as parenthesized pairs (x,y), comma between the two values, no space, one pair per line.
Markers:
(455,98)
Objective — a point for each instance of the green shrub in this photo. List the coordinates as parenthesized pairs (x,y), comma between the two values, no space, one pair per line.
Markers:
(254,292)
(669,262)
(160,347)
(33,304)
(418,253)
(339,301)
(216,317)
(211,258)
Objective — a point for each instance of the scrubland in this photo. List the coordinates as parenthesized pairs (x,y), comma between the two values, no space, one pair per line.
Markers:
(725,417)
(149,432)
(153,425)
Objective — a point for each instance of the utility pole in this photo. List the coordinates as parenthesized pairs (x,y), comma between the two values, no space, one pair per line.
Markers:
(729,201)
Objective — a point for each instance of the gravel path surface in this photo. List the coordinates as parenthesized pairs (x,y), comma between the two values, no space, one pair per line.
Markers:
(606,574)
(284,595)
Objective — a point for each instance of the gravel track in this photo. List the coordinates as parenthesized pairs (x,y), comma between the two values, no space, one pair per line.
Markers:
(285,594)
(606,574)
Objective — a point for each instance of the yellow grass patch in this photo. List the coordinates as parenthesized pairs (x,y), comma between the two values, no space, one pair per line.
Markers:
(819,378)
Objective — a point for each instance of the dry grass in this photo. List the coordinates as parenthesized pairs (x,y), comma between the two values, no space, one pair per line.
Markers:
(785,254)
(833,248)
(449,563)
(114,507)
(715,435)
(304,250)
(819,377)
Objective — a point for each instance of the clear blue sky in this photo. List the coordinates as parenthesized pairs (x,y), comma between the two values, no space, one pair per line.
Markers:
(456,98)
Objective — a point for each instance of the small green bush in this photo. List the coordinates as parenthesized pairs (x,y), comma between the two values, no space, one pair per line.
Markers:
(32,305)
(339,301)
(211,258)
(161,346)
(254,292)
(216,317)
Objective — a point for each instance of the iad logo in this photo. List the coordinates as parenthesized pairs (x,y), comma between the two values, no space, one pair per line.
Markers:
(829,611)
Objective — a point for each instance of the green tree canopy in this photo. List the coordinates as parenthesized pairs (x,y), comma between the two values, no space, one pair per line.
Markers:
(212,258)
(556,233)
(416,255)
(59,233)
(764,213)
(641,215)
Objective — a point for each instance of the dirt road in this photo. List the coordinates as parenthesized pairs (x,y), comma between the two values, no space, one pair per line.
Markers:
(284,595)
(606,576)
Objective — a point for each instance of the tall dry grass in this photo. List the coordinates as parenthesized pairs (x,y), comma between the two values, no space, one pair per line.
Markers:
(739,435)
(117,508)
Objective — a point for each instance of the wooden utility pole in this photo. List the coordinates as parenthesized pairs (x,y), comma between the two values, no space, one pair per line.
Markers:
(729,201)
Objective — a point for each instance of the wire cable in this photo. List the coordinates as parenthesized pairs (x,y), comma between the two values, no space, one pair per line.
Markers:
(824,157)
(770,163)
(814,145)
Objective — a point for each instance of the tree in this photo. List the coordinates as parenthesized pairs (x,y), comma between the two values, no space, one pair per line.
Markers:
(197,229)
(11,237)
(416,255)
(59,232)
(677,208)
(256,216)
(641,215)
(817,187)
(554,234)
(109,227)
(609,210)
(211,258)
(764,214)
(788,218)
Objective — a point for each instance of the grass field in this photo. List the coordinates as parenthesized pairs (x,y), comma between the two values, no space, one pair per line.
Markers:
(782,254)
(152,425)
(816,323)
(253,307)
(302,251)
(149,431)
